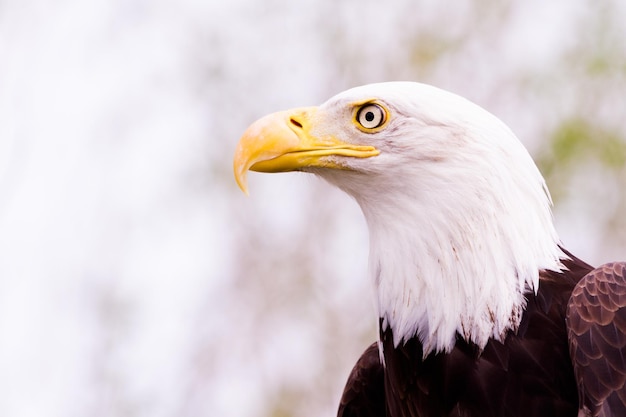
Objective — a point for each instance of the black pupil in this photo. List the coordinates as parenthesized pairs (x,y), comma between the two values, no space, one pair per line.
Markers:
(369,116)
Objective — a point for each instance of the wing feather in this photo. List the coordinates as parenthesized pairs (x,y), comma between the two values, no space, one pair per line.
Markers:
(596,320)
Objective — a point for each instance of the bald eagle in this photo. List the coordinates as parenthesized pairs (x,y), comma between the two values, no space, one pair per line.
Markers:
(481,310)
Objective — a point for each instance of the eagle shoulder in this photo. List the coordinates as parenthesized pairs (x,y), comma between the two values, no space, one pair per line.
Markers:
(364,393)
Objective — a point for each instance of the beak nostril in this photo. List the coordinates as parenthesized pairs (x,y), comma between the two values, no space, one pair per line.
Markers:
(295,122)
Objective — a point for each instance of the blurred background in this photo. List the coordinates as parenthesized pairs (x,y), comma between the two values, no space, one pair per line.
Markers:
(137,280)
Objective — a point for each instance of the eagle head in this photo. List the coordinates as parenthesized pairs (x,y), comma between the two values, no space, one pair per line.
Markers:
(458,213)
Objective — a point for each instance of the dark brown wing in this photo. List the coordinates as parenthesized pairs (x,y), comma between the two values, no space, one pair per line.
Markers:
(596,323)
(364,394)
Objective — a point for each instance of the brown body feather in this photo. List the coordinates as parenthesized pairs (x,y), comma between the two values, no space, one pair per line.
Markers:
(529,374)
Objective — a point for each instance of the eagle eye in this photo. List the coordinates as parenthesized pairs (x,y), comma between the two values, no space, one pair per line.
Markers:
(371,116)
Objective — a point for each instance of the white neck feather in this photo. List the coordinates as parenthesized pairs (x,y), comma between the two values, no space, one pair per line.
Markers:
(442,273)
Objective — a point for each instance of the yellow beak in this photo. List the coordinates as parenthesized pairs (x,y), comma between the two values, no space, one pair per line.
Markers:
(283,142)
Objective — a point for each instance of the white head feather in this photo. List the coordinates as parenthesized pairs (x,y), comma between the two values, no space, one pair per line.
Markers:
(458,214)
